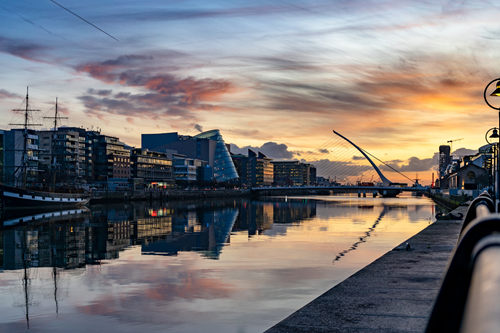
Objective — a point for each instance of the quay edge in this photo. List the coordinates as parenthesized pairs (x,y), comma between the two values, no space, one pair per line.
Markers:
(395,293)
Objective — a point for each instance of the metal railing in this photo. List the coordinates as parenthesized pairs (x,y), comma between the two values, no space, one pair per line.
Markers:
(469,298)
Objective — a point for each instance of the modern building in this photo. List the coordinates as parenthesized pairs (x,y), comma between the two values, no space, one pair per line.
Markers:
(292,173)
(65,157)
(20,160)
(110,158)
(154,167)
(254,169)
(444,160)
(207,146)
(184,171)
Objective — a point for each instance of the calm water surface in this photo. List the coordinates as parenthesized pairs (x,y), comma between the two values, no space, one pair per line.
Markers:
(214,266)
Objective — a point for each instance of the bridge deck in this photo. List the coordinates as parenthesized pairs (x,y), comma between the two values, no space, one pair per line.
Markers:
(318,188)
(395,293)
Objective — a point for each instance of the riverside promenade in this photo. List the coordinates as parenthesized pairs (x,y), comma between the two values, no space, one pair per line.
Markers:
(395,293)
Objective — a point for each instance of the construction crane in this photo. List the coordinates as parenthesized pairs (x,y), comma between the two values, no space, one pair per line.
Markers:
(451,141)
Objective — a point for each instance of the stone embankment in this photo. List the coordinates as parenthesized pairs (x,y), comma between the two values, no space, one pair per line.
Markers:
(127,196)
(395,293)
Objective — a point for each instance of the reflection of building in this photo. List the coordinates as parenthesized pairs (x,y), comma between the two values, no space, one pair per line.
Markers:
(88,237)
(208,234)
(256,216)
(207,146)
(294,211)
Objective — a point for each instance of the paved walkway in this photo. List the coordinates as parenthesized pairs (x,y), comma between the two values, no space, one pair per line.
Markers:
(395,293)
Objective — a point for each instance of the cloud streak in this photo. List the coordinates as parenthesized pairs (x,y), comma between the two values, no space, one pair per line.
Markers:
(166,94)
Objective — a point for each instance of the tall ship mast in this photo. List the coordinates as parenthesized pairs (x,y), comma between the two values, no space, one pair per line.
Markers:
(53,159)
(26,140)
(21,195)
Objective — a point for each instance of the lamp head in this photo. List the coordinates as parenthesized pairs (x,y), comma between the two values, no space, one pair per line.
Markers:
(497,90)
(495,134)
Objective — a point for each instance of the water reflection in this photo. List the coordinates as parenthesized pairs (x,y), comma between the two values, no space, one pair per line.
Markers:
(225,265)
(73,239)
(367,233)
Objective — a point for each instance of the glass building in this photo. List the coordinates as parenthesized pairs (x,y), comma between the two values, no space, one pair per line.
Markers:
(224,169)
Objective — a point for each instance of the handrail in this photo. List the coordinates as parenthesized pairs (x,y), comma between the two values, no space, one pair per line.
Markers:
(483,199)
(483,307)
(461,298)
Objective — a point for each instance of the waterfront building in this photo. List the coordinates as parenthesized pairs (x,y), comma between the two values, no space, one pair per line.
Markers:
(14,157)
(292,173)
(185,172)
(312,175)
(154,167)
(2,155)
(110,158)
(65,157)
(207,146)
(469,177)
(444,160)
(254,169)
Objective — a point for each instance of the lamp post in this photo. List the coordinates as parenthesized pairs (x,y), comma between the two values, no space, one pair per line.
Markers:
(496,92)
(494,148)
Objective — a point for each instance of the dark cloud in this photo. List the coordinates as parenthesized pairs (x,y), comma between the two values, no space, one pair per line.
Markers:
(464,152)
(413,164)
(167,94)
(199,128)
(21,49)
(358,158)
(99,92)
(324,151)
(270,149)
(191,14)
(5,94)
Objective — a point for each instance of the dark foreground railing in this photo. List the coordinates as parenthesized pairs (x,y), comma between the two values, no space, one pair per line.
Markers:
(469,298)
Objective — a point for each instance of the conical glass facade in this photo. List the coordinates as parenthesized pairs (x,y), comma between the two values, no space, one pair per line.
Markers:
(224,169)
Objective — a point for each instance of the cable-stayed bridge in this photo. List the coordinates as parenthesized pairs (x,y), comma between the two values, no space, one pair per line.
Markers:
(339,159)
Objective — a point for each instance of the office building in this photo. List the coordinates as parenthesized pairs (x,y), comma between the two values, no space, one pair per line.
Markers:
(292,173)
(207,146)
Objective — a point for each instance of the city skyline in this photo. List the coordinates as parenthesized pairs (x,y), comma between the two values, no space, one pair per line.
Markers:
(399,78)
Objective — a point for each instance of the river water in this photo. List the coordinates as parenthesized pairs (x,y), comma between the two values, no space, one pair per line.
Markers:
(213,266)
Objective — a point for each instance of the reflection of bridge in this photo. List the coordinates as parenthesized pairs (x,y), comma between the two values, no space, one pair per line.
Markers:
(382,190)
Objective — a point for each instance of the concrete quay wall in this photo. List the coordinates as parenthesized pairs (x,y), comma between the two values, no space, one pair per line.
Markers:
(127,196)
(395,293)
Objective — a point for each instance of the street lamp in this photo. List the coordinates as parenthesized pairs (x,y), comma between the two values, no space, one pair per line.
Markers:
(494,148)
(495,136)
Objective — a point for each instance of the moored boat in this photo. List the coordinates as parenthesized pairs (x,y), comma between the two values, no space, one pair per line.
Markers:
(21,192)
(14,197)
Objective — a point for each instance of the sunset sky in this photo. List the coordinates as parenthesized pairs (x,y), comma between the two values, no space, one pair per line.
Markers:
(399,78)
